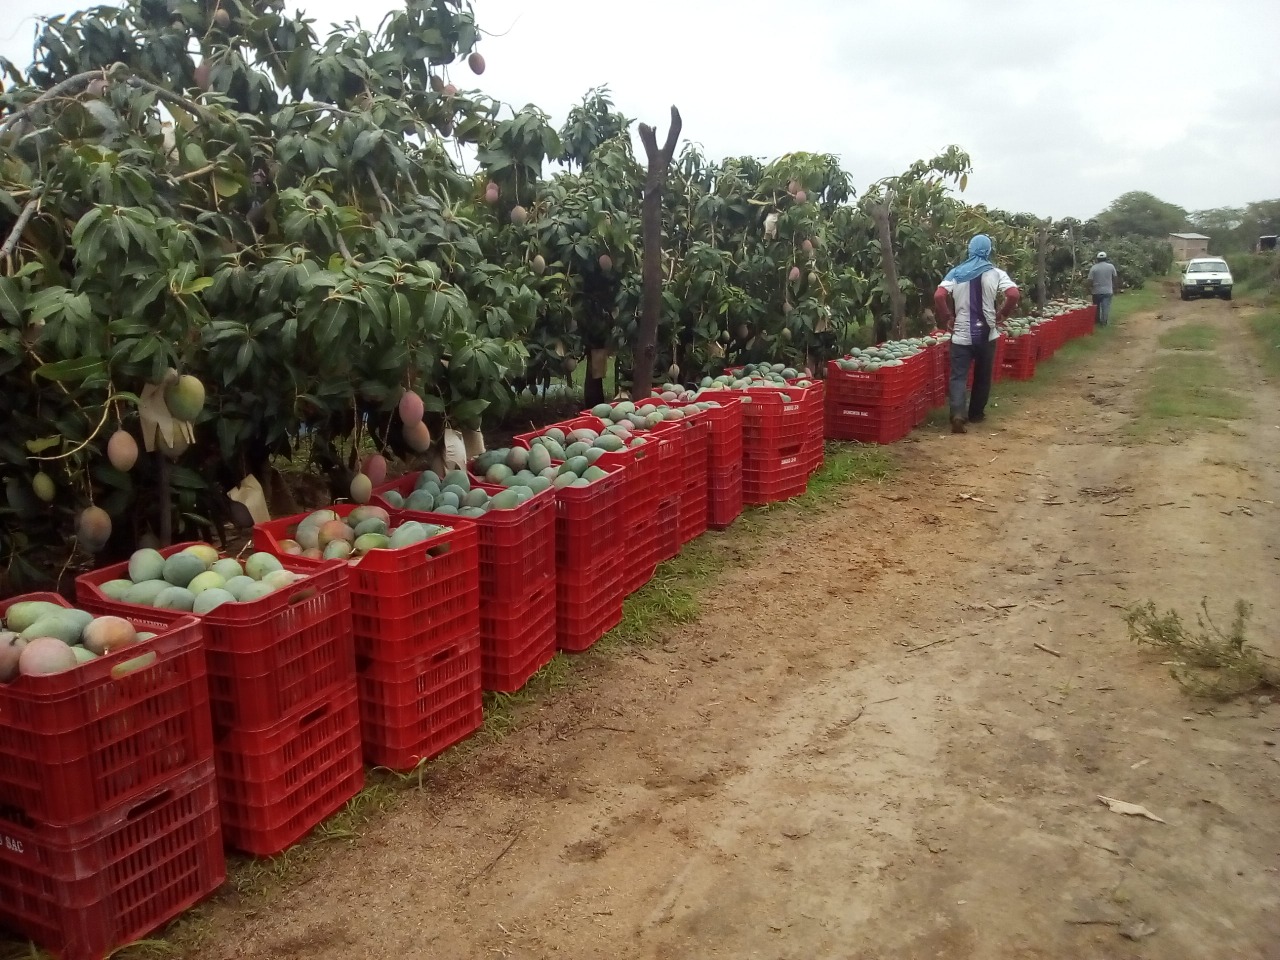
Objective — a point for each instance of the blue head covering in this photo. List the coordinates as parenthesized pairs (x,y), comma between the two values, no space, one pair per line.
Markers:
(979,261)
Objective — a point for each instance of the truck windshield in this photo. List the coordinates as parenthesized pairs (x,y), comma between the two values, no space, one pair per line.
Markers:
(1208,266)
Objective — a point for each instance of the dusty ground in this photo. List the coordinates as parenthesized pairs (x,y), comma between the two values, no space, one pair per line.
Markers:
(859,752)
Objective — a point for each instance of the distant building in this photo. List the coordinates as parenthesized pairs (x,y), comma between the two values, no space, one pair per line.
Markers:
(1266,243)
(1188,246)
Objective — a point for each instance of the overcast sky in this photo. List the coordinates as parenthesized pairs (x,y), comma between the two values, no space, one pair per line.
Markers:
(1063,106)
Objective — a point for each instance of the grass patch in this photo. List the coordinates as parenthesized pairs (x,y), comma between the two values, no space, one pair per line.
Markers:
(1265,327)
(1191,336)
(1186,392)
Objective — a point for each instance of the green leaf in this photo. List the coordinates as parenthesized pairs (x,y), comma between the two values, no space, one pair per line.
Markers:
(226,185)
(38,447)
(11,299)
(367,140)
(77,368)
(196,285)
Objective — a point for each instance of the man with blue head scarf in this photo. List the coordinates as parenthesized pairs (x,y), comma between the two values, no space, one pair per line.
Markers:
(965,303)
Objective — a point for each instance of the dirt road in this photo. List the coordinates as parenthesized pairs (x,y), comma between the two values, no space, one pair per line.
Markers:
(859,750)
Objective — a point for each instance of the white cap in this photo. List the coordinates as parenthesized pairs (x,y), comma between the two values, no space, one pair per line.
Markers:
(1101,255)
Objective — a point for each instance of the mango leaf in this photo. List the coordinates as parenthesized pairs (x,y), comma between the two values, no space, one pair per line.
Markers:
(11,299)
(77,368)
(38,447)
(226,185)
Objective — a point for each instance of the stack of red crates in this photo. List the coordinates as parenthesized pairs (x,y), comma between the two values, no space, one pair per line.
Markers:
(1019,360)
(516,552)
(415,621)
(775,458)
(108,798)
(591,576)
(724,458)
(879,406)
(814,399)
(590,560)
(697,465)
(939,376)
(281,677)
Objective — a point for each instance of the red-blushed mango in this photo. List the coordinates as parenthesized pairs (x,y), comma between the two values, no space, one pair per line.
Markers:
(11,647)
(492,193)
(794,275)
(334,530)
(417,436)
(105,634)
(606,262)
(122,450)
(411,408)
(375,468)
(93,528)
(476,63)
(45,656)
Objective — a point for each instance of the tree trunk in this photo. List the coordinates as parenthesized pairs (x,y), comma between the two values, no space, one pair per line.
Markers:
(645,349)
(897,308)
(1042,273)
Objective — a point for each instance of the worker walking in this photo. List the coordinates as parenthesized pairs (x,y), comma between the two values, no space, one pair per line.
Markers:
(1102,281)
(965,302)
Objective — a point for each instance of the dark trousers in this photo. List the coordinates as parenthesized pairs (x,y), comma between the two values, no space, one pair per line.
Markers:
(981,357)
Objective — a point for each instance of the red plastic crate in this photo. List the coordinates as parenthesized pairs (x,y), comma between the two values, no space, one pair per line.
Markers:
(769,478)
(588,519)
(886,386)
(268,657)
(768,421)
(509,634)
(588,605)
(81,891)
(869,424)
(418,710)
(693,495)
(724,496)
(668,525)
(404,578)
(276,785)
(516,547)
(77,742)
(506,665)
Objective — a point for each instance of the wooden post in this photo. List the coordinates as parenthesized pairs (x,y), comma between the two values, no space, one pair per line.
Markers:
(645,349)
(1042,279)
(897,308)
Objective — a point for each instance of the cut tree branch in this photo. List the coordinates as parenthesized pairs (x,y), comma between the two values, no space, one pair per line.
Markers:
(15,235)
(646,345)
(68,86)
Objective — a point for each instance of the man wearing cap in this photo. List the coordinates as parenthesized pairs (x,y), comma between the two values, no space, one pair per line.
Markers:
(1102,280)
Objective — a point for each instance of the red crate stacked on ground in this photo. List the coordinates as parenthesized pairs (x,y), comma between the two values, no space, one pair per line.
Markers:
(108,803)
(694,479)
(815,410)
(940,374)
(1019,360)
(876,406)
(590,520)
(271,664)
(516,552)
(589,561)
(724,460)
(774,430)
(412,607)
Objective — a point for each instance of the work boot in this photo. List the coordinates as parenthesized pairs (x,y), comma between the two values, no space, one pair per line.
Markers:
(957,425)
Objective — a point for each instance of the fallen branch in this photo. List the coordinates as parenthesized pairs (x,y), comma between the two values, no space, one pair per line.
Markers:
(494,862)
(1048,650)
(15,235)
(925,646)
